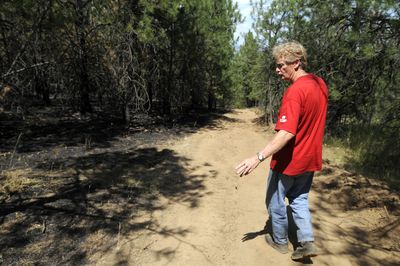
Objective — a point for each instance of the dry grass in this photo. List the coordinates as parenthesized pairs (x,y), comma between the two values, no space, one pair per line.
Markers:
(17,180)
(335,154)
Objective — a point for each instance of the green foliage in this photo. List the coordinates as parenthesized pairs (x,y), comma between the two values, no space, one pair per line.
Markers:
(132,55)
(354,46)
(173,56)
(372,150)
(245,73)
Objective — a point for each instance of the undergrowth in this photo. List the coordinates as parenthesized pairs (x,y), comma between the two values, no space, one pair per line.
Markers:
(373,151)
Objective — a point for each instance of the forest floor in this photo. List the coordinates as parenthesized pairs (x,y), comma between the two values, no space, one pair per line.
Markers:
(99,194)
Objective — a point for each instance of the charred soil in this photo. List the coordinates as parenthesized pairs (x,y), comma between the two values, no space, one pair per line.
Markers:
(89,190)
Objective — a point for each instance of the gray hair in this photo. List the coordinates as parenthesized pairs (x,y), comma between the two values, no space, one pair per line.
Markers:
(290,52)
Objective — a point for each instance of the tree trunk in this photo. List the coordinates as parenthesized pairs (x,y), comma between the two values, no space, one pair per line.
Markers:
(42,88)
(148,105)
(270,119)
(210,104)
(126,114)
(166,105)
(84,83)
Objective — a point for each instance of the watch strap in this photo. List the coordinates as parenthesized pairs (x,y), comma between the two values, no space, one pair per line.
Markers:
(260,156)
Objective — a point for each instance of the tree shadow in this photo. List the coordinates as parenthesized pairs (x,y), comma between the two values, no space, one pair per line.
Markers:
(49,135)
(344,200)
(45,130)
(375,154)
(92,201)
(350,204)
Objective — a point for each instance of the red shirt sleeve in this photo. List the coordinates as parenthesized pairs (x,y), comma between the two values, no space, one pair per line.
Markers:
(289,113)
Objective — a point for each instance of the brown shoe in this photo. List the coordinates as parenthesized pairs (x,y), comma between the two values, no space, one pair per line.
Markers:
(305,250)
(282,248)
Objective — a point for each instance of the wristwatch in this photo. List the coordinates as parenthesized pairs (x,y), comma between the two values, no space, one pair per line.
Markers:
(260,156)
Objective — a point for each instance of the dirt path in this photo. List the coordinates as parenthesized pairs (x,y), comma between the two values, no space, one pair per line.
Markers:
(221,221)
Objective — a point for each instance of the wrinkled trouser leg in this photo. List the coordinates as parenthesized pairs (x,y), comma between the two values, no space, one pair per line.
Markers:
(296,188)
(276,207)
(298,200)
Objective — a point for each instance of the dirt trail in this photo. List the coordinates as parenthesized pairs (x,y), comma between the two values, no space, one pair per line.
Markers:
(222,221)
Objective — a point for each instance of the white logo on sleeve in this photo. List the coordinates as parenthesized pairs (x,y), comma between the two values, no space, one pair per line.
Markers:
(283,119)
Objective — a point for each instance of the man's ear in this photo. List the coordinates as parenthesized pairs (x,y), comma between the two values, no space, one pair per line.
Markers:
(297,64)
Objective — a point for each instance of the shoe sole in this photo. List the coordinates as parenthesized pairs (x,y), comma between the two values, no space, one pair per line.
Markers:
(272,244)
(305,256)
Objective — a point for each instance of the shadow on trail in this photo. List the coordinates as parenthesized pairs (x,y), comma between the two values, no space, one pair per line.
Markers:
(94,199)
(347,200)
(98,130)
(292,235)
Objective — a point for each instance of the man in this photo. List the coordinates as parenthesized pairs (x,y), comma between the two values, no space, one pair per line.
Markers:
(296,150)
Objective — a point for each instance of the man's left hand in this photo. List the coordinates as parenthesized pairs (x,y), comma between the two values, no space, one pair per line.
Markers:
(247,166)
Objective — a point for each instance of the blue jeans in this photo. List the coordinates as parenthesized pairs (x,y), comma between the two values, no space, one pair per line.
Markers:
(296,189)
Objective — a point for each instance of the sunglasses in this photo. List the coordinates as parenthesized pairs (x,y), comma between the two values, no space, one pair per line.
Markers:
(280,65)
